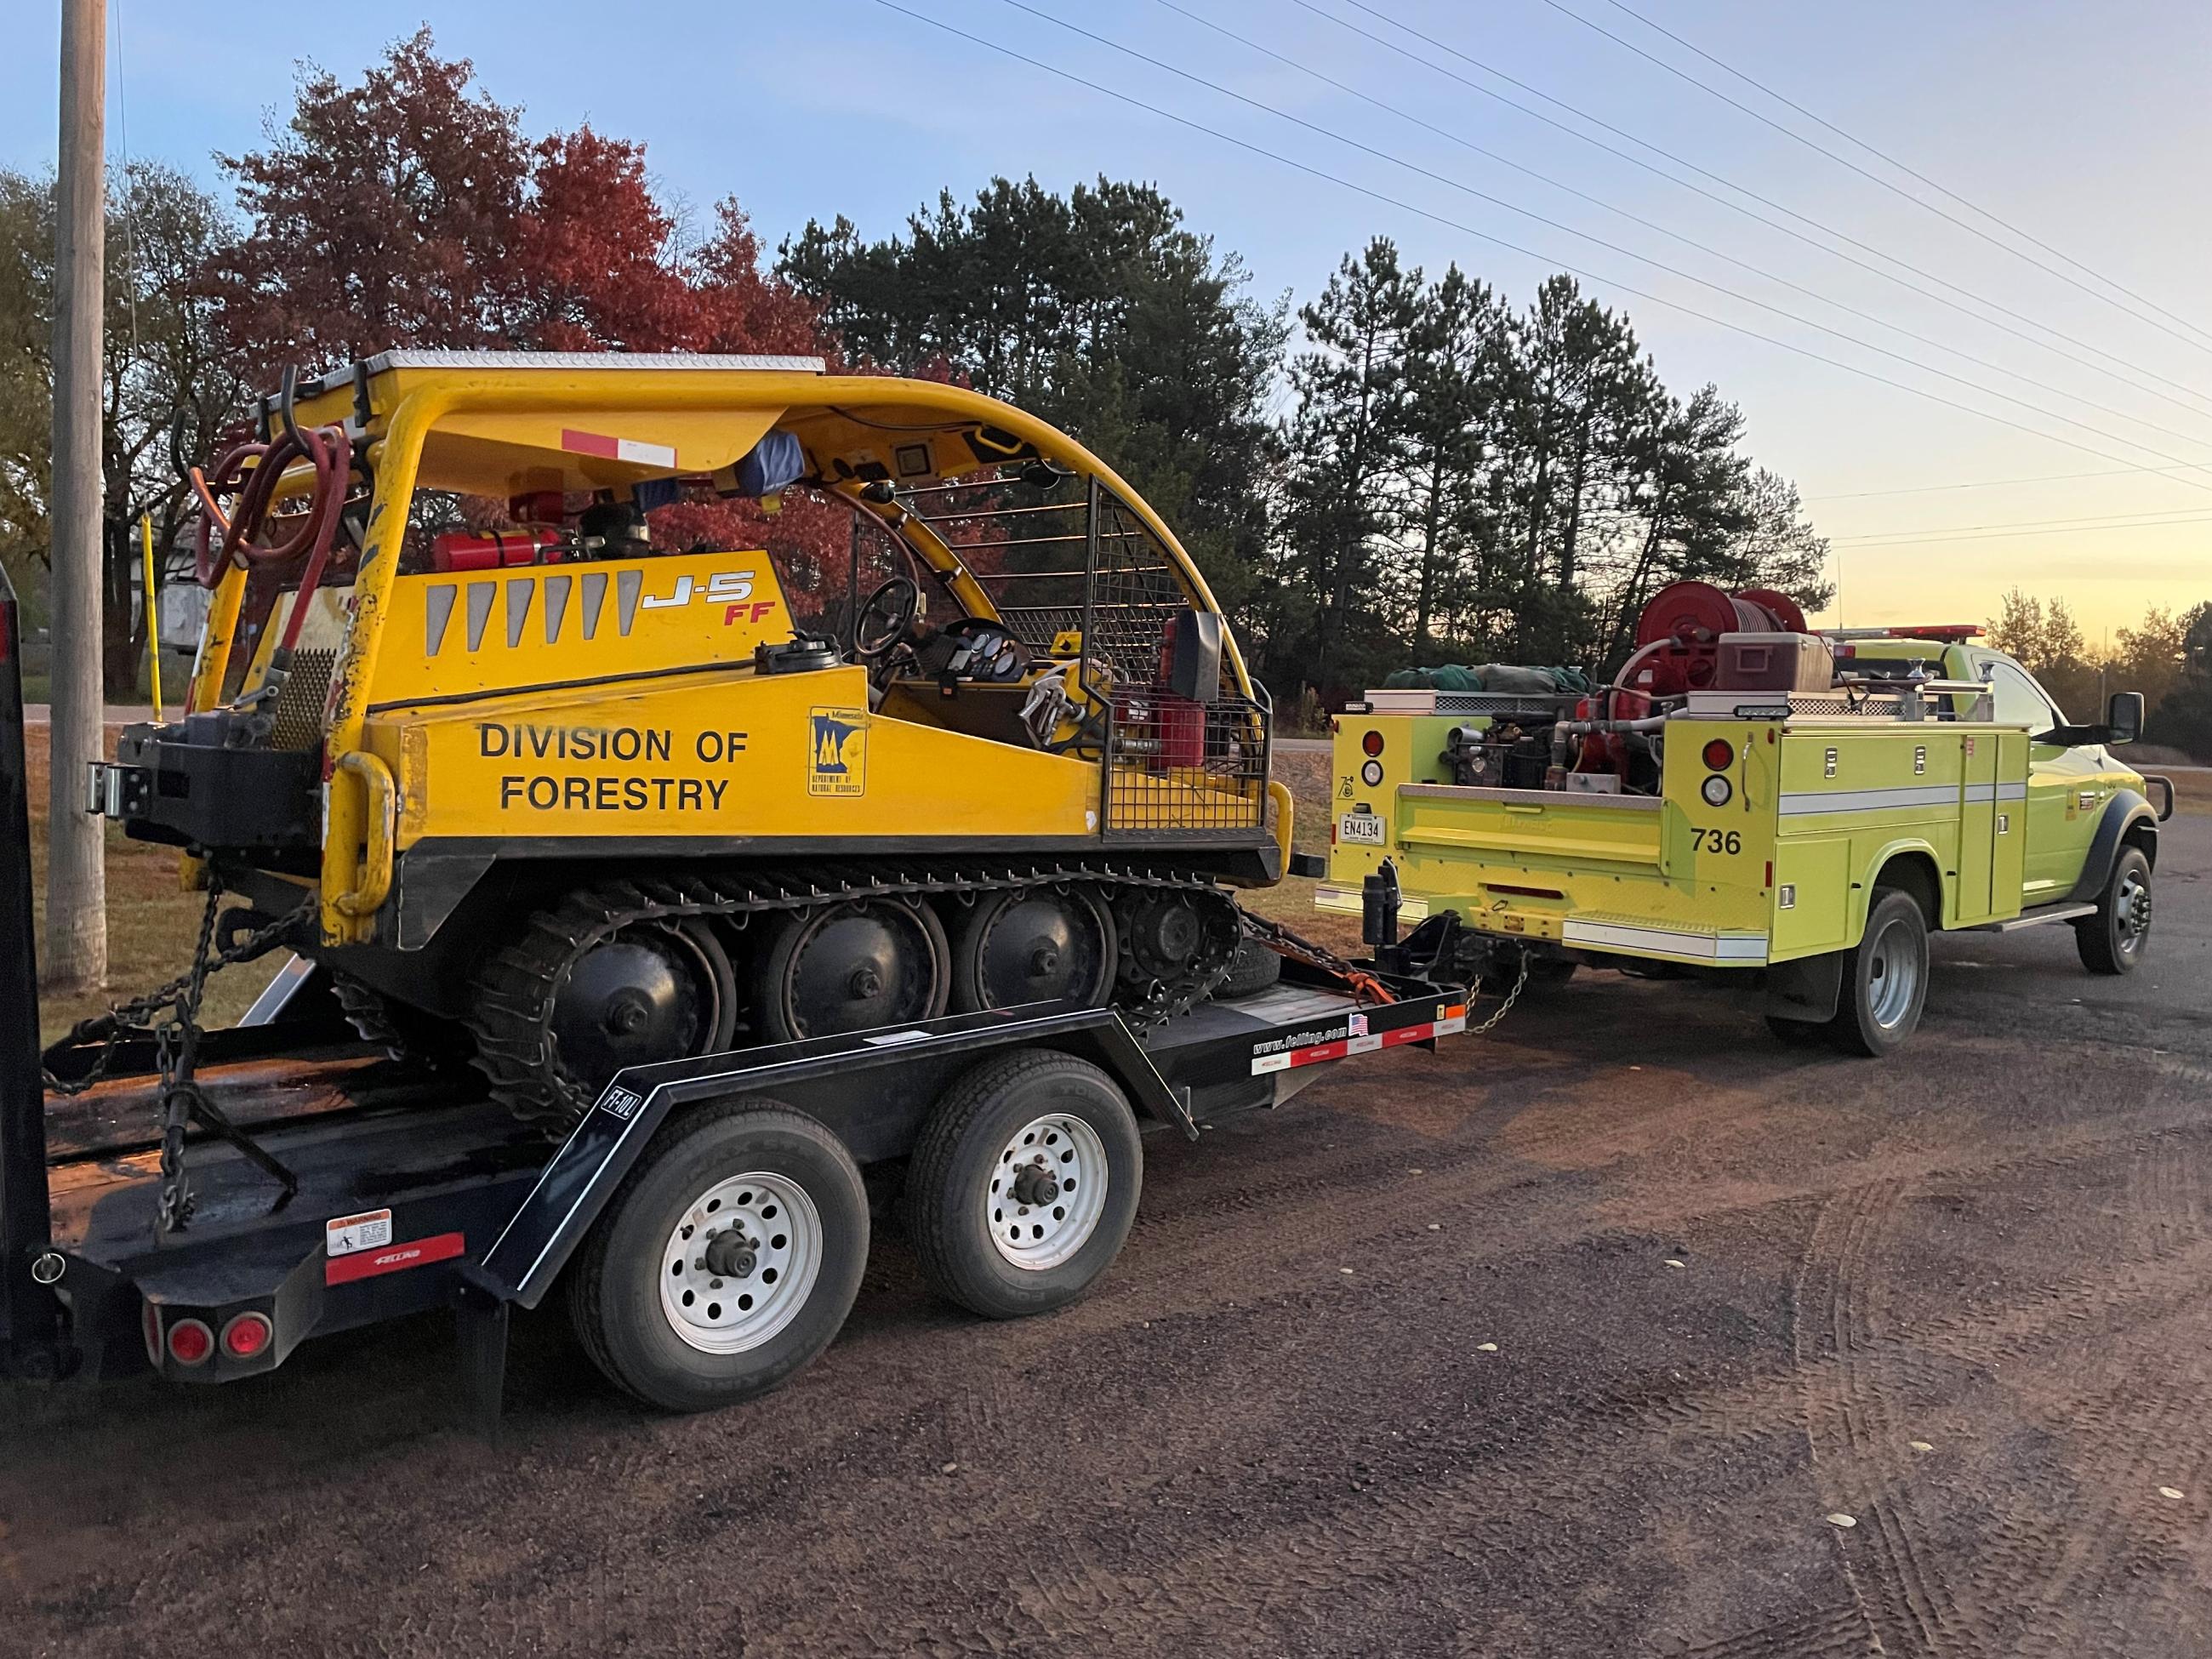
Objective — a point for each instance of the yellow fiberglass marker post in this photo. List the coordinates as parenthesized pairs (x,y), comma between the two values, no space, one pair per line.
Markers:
(153,611)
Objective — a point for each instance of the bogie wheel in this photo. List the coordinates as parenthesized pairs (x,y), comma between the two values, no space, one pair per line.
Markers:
(1884,977)
(2113,940)
(851,967)
(1254,970)
(1025,1183)
(1034,944)
(658,990)
(728,1258)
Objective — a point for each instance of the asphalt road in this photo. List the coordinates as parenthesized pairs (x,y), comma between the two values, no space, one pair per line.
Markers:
(1585,1337)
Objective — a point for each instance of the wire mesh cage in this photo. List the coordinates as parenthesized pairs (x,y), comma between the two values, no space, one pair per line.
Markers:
(1175,767)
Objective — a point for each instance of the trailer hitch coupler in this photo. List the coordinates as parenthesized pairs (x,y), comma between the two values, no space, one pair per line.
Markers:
(1379,906)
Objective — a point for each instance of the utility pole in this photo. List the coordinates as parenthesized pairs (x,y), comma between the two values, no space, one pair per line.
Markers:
(76,954)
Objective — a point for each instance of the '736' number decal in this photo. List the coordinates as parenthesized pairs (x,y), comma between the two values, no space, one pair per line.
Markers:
(1717,840)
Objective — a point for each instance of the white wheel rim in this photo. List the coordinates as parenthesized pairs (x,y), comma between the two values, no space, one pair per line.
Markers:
(741,1263)
(1048,1189)
(2131,908)
(1892,976)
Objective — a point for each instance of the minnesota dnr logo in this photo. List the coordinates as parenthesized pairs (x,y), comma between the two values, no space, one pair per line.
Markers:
(837,762)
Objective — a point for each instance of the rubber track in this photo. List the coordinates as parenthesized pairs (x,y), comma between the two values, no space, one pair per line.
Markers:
(511,1012)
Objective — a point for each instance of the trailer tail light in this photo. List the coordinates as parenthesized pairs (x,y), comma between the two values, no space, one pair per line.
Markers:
(1372,743)
(1720,755)
(191,1342)
(246,1335)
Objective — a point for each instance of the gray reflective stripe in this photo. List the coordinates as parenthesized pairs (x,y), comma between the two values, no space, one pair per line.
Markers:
(1870,800)
(1977,793)
(2012,792)
(1667,941)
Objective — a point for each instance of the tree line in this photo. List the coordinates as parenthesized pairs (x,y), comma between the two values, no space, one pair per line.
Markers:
(1409,468)
(2167,657)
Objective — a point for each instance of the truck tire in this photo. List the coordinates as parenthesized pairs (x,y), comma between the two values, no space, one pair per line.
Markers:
(2113,940)
(1023,1184)
(1255,968)
(728,1258)
(1885,978)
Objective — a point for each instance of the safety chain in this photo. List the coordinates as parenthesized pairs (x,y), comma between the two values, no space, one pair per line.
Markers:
(1505,1007)
(176,1046)
(1298,948)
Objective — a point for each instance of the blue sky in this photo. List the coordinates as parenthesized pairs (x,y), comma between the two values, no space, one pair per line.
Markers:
(2086,127)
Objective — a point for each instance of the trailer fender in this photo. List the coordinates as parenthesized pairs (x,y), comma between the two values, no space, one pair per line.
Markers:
(2129,818)
(872,1089)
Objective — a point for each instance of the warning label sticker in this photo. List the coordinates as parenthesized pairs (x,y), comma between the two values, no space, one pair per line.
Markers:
(351,1233)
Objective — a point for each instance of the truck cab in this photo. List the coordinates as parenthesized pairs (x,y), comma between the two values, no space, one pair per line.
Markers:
(2074,779)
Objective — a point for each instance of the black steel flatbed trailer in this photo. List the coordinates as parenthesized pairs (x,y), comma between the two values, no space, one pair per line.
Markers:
(709,1213)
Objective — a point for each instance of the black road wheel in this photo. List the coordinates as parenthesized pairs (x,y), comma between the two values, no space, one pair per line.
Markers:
(1034,944)
(1255,969)
(654,991)
(1167,936)
(851,966)
(728,1258)
(1025,1183)
(2113,940)
(1884,977)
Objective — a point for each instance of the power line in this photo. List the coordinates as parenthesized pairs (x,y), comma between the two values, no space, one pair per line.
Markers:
(1739,297)
(2007,535)
(1911,172)
(1633,218)
(1404,206)
(1992,483)
(2165,517)
(1748,193)
(1871,176)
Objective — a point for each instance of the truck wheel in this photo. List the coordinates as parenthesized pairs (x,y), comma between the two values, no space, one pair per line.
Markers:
(728,1259)
(2113,940)
(1884,977)
(1025,1183)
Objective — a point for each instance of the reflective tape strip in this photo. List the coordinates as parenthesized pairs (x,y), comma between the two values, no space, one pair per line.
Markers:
(1982,794)
(1315,1054)
(1349,901)
(1668,942)
(1869,800)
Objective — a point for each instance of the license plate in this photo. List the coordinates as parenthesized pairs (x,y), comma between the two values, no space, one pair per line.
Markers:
(1360,829)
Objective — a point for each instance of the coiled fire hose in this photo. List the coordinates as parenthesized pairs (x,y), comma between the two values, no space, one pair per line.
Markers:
(251,472)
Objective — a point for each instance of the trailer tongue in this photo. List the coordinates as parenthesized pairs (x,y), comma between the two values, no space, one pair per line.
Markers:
(707,1214)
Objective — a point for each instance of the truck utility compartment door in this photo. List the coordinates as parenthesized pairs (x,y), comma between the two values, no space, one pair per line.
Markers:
(1523,826)
(1977,828)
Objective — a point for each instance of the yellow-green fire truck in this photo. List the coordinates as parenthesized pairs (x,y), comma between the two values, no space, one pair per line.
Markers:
(1801,842)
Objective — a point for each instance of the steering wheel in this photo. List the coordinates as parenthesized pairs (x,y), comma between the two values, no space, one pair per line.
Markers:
(883,621)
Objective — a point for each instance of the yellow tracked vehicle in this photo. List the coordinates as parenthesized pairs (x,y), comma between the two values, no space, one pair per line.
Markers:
(586,792)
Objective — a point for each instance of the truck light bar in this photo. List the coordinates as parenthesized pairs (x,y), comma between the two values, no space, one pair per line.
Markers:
(1908,631)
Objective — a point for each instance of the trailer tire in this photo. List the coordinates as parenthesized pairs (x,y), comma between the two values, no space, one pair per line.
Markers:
(1884,977)
(1061,1128)
(802,1223)
(2113,940)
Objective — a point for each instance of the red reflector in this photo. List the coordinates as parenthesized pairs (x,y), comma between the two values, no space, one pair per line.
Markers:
(1372,743)
(1720,755)
(246,1335)
(191,1342)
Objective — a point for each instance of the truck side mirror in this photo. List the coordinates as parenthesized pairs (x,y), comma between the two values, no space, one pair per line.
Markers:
(2123,717)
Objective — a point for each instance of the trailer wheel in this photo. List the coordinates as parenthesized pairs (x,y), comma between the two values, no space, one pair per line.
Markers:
(1884,977)
(1025,1183)
(2113,940)
(728,1259)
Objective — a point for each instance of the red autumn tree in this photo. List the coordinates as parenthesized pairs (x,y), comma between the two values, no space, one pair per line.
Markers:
(412,210)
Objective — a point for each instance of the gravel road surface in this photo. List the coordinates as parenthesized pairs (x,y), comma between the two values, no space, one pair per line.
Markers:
(1622,1331)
